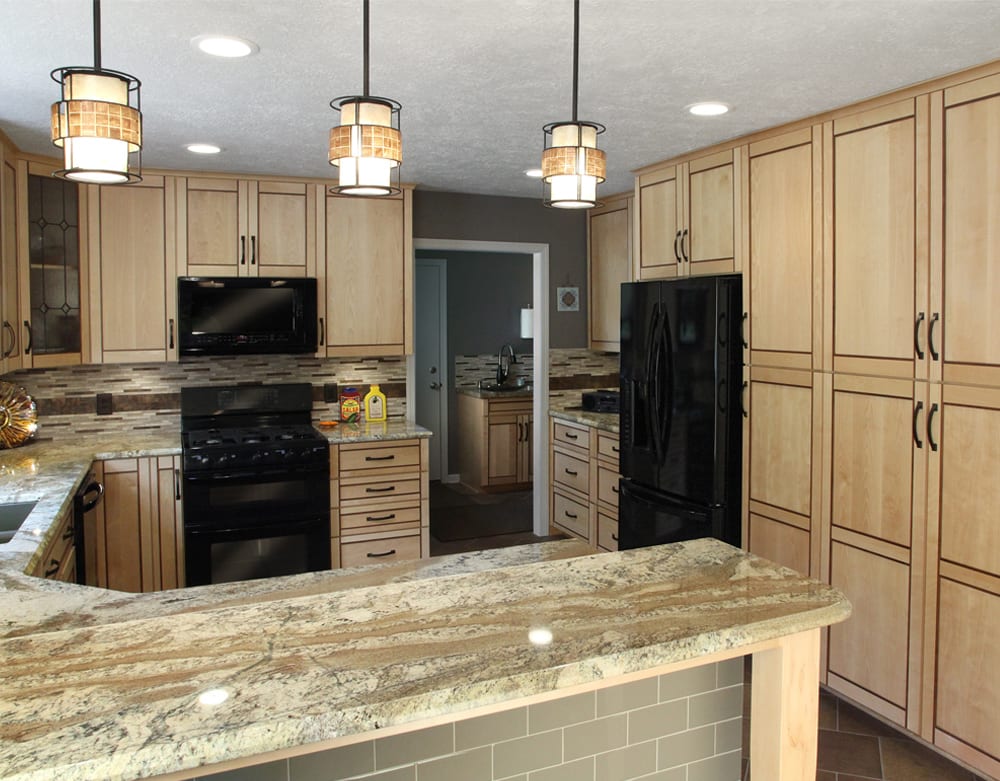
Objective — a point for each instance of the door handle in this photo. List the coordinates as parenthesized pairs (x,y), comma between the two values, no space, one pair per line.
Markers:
(743,400)
(916,336)
(170,333)
(935,355)
(381,555)
(677,254)
(520,432)
(322,330)
(930,427)
(27,347)
(685,255)
(435,386)
(8,328)
(243,250)
(177,484)
(743,329)
(916,414)
(253,250)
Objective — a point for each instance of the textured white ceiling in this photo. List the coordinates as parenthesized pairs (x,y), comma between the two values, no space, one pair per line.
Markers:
(479,78)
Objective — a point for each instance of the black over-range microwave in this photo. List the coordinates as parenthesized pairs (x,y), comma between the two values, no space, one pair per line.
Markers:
(246,315)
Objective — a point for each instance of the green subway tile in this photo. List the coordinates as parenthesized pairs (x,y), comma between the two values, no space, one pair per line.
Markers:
(335,764)
(728,736)
(628,696)
(725,767)
(559,713)
(595,737)
(408,773)
(730,672)
(687,682)
(674,774)
(625,763)
(718,705)
(580,770)
(414,746)
(494,728)
(656,721)
(686,747)
(525,754)
(269,771)
(466,766)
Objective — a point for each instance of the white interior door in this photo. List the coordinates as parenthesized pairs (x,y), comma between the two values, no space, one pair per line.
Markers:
(431,375)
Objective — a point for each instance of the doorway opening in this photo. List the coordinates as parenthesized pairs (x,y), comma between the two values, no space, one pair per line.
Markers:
(434,373)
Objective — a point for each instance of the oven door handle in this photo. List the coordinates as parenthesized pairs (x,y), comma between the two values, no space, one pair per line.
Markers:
(255,474)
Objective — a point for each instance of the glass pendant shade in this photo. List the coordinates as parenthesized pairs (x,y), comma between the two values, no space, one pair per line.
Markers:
(366,146)
(572,165)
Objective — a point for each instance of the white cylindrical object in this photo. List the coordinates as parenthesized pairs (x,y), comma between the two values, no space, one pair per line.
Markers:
(527,323)
(97,158)
(574,135)
(564,188)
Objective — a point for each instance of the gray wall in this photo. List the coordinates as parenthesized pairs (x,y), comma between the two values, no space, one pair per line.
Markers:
(486,291)
(438,215)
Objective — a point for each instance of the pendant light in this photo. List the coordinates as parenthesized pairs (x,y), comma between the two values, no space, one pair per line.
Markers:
(96,123)
(366,146)
(572,165)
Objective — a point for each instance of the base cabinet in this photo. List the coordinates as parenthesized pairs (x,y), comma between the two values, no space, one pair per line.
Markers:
(379,502)
(583,483)
(495,449)
(58,561)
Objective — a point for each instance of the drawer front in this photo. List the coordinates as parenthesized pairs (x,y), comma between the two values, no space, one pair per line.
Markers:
(571,515)
(607,532)
(356,554)
(570,471)
(570,436)
(376,490)
(607,447)
(377,519)
(607,486)
(60,553)
(379,457)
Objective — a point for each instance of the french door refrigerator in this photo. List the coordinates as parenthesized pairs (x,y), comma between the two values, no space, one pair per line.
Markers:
(681,413)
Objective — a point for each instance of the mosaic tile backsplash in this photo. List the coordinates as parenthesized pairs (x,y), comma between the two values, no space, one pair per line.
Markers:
(569,368)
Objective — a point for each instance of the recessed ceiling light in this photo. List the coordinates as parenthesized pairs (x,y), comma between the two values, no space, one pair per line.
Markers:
(708,109)
(225,45)
(534,173)
(203,149)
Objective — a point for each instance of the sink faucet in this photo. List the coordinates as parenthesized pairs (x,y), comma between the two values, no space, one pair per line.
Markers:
(503,369)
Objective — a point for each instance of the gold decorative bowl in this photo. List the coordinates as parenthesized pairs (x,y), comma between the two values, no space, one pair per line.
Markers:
(18,416)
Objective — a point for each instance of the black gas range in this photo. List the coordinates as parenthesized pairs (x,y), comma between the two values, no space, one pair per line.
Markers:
(256,483)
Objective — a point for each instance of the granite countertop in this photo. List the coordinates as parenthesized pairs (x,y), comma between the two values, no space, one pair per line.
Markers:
(119,699)
(571,409)
(477,393)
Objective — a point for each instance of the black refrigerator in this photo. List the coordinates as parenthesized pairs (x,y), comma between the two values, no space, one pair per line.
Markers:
(681,416)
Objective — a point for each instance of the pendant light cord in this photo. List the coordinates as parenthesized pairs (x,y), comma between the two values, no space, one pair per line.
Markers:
(576,50)
(97,35)
(365,48)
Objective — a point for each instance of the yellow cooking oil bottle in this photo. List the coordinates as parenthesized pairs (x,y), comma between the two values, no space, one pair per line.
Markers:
(374,404)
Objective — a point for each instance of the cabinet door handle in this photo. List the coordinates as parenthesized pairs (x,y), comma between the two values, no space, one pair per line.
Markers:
(385,489)
(68,534)
(743,330)
(177,484)
(614,489)
(27,347)
(380,555)
(569,435)
(743,400)
(322,332)
(52,569)
(916,336)
(685,254)
(935,355)
(568,514)
(170,332)
(677,252)
(570,472)
(253,250)
(8,328)
(377,518)
(614,537)
(243,250)
(916,414)
(379,458)
(930,427)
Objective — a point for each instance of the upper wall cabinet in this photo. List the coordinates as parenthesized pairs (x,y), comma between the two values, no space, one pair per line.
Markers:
(782,280)
(11,333)
(686,217)
(368,305)
(609,240)
(132,277)
(237,227)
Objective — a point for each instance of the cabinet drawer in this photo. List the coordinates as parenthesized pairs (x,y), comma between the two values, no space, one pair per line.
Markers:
(356,554)
(607,532)
(59,554)
(381,489)
(570,471)
(607,486)
(379,457)
(378,519)
(571,515)
(570,436)
(607,447)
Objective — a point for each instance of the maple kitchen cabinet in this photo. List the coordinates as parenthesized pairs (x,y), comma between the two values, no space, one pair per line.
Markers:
(686,217)
(133,276)
(609,243)
(495,450)
(11,334)
(58,560)
(368,267)
(245,227)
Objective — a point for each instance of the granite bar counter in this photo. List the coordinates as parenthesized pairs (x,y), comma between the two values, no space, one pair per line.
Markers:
(314,671)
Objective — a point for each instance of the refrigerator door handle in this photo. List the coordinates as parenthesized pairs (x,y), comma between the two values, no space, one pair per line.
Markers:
(666,400)
(652,382)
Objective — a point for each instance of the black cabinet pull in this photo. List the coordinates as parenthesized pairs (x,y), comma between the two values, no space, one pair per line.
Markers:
(68,534)
(570,471)
(916,336)
(743,400)
(27,347)
(377,518)
(170,333)
(177,484)
(930,337)
(614,489)
(743,329)
(379,458)
(614,537)
(916,413)
(383,490)
(253,250)
(8,328)
(520,432)
(677,254)
(322,332)
(380,555)
(685,255)
(568,514)
(569,435)
(243,250)
(52,569)
(930,427)
(90,504)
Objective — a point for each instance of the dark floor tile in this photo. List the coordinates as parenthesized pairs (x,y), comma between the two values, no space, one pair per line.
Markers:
(907,760)
(827,711)
(851,719)
(852,754)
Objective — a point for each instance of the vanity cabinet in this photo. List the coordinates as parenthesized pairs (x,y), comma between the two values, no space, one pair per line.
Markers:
(609,244)
(495,449)
(245,227)
(58,560)
(379,502)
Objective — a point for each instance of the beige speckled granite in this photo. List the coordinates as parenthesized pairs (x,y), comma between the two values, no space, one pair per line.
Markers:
(569,409)
(476,393)
(119,700)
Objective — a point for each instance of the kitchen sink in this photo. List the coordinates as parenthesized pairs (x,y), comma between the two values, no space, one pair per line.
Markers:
(11,517)
(493,387)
